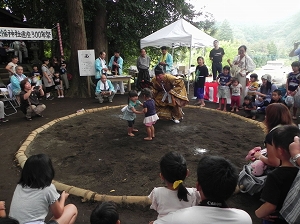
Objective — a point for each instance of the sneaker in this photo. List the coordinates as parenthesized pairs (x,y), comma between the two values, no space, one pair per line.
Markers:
(101,101)
(50,98)
(3,120)
(110,101)
(59,97)
(194,98)
(62,96)
(28,118)
(176,121)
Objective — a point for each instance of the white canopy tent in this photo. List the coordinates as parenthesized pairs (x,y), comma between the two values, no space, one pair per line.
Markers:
(179,33)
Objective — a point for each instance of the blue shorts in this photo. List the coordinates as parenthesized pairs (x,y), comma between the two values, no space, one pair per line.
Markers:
(200,93)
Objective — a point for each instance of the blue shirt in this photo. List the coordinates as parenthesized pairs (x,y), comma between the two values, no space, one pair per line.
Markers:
(224,79)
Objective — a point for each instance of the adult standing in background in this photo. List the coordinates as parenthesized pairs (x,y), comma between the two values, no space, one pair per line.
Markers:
(142,64)
(47,78)
(11,66)
(241,66)
(296,50)
(100,66)
(116,66)
(216,55)
(166,60)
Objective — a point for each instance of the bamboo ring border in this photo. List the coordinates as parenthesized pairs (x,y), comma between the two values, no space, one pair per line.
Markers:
(88,195)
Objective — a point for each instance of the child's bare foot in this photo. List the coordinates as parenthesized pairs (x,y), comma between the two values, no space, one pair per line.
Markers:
(148,139)
(225,110)
(219,108)
(202,105)
(237,110)
(232,110)
(135,130)
(131,134)
(253,118)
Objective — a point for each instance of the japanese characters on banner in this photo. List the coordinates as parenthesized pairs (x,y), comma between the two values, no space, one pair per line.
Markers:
(86,61)
(12,33)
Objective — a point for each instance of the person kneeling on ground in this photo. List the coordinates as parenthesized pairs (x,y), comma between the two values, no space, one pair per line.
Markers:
(105,213)
(213,191)
(104,89)
(29,96)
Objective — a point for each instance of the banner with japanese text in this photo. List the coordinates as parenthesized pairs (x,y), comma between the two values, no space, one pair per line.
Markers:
(86,61)
(12,33)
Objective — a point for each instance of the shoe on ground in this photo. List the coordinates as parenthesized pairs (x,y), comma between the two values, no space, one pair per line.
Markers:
(28,118)
(101,101)
(3,120)
(59,97)
(62,96)
(194,98)
(176,121)
(50,98)
(110,101)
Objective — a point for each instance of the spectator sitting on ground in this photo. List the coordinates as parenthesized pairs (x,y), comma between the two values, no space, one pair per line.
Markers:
(264,93)
(216,181)
(11,66)
(280,180)
(29,96)
(105,213)
(104,89)
(277,97)
(16,80)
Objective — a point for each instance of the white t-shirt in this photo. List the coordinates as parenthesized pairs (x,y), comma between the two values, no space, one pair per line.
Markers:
(13,67)
(206,215)
(165,200)
(236,90)
(31,204)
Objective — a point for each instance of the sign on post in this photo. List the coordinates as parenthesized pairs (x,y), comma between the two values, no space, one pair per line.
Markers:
(86,61)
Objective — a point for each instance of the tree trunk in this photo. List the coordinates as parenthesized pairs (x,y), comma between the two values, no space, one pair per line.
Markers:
(99,28)
(77,42)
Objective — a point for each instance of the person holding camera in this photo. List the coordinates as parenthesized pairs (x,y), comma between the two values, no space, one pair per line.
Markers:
(296,50)
(29,96)
(105,89)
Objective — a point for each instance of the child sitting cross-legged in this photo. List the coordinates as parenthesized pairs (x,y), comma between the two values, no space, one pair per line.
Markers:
(279,181)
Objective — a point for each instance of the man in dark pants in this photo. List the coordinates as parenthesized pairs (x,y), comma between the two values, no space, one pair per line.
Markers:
(216,55)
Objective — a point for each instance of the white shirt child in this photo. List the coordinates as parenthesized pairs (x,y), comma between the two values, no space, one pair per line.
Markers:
(165,200)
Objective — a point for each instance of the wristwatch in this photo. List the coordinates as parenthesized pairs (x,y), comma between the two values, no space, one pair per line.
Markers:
(294,159)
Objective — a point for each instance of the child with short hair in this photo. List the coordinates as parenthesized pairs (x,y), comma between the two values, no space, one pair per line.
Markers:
(253,86)
(35,76)
(249,107)
(150,113)
(235,89)
(201,73)
(277,97)
(130,111)
(224,80)
(292,84)
(64,74)
(279,181)
(58,85)
(105,213)
(174,196)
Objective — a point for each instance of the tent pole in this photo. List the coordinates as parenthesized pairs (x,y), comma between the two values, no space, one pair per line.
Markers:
(189,70)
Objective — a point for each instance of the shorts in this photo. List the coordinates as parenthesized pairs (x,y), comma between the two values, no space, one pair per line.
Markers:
(130,123)
(151,120)
(59,87)
(223,92)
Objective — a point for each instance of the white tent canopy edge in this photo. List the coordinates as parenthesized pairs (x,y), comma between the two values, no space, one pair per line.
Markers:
(179,33)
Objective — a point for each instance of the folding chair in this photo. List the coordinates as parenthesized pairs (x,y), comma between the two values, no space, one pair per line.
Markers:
(9,103)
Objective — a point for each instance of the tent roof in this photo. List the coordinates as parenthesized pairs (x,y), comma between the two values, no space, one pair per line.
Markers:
(179,33)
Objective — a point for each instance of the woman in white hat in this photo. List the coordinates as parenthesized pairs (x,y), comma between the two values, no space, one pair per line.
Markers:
(264,93)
